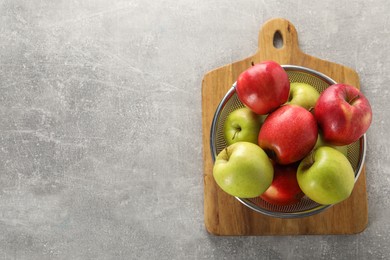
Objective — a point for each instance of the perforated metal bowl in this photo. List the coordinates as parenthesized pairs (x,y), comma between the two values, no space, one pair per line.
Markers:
(306,207)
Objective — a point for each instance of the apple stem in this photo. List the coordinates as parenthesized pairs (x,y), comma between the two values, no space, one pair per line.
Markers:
(227,154)
(310,161)
(311,109)
(353,99)
(253,64)
(235,133)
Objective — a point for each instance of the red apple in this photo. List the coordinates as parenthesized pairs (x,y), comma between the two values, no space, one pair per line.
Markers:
(343,113)
(288,134)
(284,189)
(263,87)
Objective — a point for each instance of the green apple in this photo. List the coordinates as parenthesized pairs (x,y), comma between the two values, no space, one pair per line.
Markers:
(326,176)
(243,170)
(303,94)
(242,125)
(321,142)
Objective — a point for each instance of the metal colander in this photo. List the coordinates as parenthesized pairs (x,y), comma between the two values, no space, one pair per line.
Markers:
(306,207)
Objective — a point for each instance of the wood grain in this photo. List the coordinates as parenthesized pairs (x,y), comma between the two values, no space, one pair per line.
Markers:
(224,215)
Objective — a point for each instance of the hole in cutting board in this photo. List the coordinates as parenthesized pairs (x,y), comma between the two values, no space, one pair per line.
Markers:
(278,40)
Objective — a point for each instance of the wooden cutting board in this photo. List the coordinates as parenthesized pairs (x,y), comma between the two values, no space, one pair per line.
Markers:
(224,215)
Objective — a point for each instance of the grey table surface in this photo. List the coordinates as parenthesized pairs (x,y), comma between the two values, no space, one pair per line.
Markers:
(100,124)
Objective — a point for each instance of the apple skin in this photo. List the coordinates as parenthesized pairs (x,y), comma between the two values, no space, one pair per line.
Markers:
(242,125)
(263,87)
(288,134)
(321,142)
(326,176)
(343,113)
(284,189)
(243,170)
(303,94)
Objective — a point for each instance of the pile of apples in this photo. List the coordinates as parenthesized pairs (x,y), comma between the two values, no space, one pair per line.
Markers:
(289,140)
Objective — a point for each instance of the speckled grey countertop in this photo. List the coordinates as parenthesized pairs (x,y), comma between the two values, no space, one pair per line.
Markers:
(100,124)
